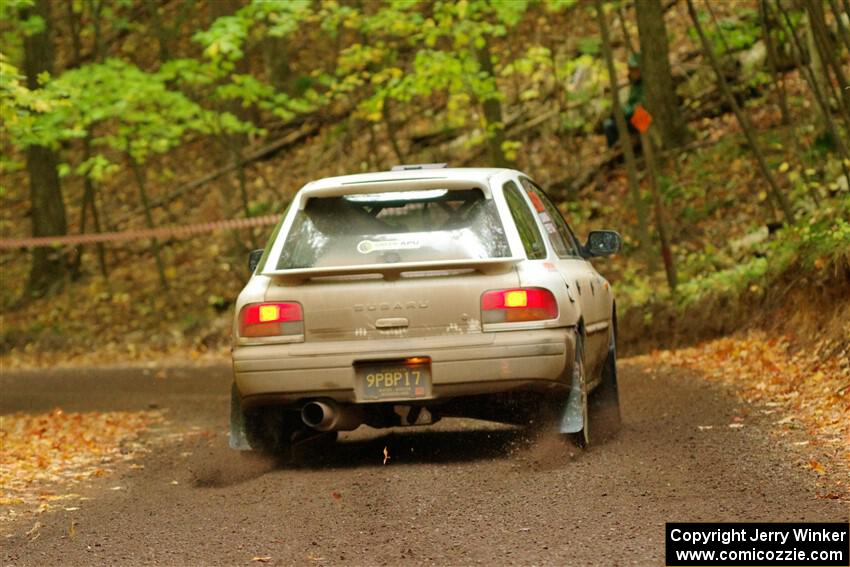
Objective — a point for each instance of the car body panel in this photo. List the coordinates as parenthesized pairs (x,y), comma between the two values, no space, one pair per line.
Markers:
(460,365)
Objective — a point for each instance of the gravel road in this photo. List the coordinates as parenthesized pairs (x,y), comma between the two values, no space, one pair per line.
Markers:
(460,493)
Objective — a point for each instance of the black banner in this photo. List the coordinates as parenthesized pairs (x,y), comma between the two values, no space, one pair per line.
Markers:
(694,544)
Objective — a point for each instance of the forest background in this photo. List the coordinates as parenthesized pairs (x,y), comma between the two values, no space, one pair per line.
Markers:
(121,115)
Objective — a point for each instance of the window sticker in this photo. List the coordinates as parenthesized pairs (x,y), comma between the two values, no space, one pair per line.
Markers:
(369,246)
(535,200)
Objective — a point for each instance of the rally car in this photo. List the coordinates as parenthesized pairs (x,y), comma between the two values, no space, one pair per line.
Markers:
(400,297)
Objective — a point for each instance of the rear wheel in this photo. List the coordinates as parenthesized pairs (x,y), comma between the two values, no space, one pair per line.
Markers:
(605,399)
(272,430)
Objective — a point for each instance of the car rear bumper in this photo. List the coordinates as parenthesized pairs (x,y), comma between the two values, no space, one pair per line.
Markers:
(461,365)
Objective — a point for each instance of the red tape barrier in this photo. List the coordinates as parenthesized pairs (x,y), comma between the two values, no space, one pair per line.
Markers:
(162,232)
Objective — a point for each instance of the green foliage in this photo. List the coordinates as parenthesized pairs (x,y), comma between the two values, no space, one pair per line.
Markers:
(446,39)
(736,33)
(590,46)
(13,27)
(227,39)
(817,249)
(22,110)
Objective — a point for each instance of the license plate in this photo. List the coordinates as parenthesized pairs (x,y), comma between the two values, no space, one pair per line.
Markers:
(394,379)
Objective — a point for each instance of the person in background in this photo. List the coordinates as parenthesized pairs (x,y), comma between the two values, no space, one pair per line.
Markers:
(635,97)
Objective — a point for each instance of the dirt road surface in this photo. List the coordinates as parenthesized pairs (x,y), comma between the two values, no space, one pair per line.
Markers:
(461,493)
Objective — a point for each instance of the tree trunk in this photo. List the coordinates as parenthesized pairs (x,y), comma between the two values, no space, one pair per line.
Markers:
(660,214)
(74,27)
(627,37)
(493,114)
(625,139)
(143,194)
(95,9)
(778,80)
(276,62)
(89,190)
(242,178)
(90,202)
(842,27)
(746,127)
(391,127)
(781,91)
(812,79)
(657,75)
(48,207)
(827,54)
(163,35)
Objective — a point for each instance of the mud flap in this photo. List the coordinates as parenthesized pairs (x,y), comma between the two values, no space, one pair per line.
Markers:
(572,420)
(238,437)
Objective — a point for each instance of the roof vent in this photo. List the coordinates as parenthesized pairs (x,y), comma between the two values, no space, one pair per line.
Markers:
(419,166)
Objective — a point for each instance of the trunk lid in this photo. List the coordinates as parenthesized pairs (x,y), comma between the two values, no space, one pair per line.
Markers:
(416,304)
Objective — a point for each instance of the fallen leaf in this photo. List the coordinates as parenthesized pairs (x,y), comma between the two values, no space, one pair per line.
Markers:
(43,454)
(34,530)
(262,558)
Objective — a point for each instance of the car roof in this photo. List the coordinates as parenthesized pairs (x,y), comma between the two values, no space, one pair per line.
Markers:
(472,174)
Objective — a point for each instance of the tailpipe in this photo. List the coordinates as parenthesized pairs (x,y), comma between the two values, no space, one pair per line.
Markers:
(330,416)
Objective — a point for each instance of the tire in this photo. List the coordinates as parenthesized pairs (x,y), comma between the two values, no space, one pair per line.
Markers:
(271,430)
(581,438)
(605,399)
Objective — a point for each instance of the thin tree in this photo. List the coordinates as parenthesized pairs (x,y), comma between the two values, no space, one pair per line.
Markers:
(89,189)
(625,137)
(660,213)
(827,55)
(657,76)
(48,207)
(773,64)
(392,128)
(493,112)
(815,86)
(779,85)
(743,121)
(143,194)
(627,36)
(839,20)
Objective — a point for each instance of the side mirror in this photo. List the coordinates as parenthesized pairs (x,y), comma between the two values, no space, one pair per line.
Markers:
(254,259)
(602,243)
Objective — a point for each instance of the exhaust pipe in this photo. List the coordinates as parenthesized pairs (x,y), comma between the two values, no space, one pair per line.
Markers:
(329,416)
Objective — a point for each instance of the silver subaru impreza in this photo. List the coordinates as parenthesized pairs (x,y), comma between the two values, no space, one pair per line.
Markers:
(400,297)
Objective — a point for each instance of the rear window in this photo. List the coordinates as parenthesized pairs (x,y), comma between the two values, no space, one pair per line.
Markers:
(409,226)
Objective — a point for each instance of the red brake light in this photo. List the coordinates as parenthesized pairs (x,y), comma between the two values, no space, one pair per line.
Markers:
(271,319)
(516,305)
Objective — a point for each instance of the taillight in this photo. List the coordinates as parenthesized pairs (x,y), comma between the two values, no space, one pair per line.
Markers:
(516,305)
(271,320)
